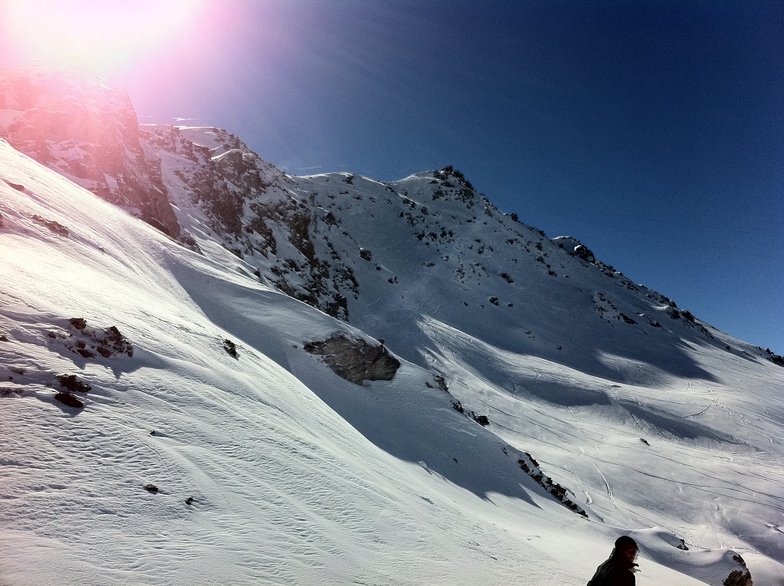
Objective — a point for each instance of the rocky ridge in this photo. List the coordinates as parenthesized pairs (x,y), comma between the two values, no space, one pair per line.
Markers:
(88,132)
(323,240)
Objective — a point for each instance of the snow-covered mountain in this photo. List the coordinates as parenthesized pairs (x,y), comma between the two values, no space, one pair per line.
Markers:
(334,380)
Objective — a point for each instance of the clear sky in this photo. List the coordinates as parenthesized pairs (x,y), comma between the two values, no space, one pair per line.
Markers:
(653,131)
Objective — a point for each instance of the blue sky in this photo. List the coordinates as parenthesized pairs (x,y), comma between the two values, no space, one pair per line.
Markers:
(652,131)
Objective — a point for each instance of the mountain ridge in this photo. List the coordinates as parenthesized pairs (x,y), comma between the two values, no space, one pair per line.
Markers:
(529,339)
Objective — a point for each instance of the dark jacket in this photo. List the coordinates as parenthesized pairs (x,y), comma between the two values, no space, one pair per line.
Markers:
(616,571)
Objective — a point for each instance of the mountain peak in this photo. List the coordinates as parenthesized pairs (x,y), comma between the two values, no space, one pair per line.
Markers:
(333,362)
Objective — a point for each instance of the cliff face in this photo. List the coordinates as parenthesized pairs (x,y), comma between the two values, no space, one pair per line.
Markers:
(77,126)
(225,191)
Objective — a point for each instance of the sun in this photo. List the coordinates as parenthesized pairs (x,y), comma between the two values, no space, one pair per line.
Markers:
(102,36)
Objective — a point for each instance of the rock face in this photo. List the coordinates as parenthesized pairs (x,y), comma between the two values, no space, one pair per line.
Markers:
(84,130)
(739,577)
(254,210)
(355,360)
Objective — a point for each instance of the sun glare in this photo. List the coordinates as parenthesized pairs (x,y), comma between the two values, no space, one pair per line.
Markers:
(103,36)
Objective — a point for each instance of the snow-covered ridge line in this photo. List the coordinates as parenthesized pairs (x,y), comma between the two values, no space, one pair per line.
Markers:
(270,467)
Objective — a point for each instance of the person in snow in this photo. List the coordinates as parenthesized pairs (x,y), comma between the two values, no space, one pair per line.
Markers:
(620,568)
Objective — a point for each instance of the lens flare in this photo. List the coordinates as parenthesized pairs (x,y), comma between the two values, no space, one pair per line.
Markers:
(102,36)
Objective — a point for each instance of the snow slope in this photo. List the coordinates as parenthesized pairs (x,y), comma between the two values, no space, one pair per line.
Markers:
(640,405)
(299,477)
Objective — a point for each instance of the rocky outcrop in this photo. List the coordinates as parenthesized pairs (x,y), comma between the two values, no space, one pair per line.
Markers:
(254,210)
(79,127)
(531,467)
(355,360)
(89,342)
(740,576)
(215,170)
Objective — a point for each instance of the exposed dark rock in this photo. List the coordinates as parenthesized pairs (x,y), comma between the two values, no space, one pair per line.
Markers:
(439,380)
(531,467)
(114,343)
(90,342)
(774,358)
(451,177)
(740,576)
(70,400)
(482,420)
(72,383)
(78,322)
(231,348)
(55,227)
(583,252)
(355,360)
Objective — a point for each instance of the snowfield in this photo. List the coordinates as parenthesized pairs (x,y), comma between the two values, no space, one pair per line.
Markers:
(213,449)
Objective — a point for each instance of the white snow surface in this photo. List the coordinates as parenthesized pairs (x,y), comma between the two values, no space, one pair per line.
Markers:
(299,477)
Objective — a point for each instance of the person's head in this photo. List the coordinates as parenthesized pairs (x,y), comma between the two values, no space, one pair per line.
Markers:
(626,547)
